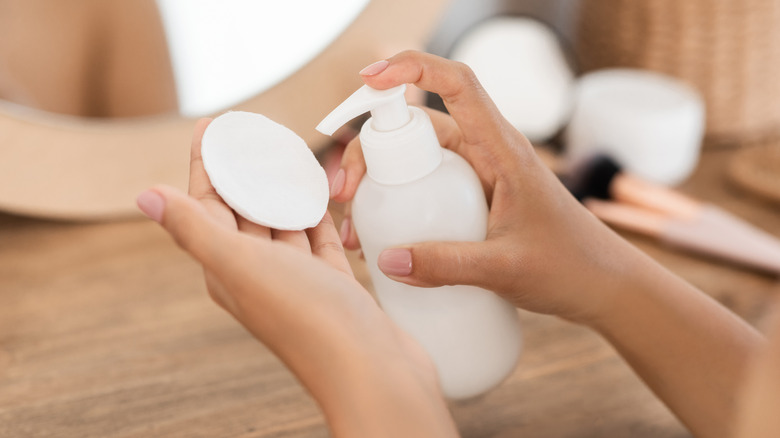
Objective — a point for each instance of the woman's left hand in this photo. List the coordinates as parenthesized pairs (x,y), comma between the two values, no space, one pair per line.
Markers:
(295,292)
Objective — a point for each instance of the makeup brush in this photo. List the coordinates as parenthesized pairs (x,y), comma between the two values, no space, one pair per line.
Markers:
(628,202)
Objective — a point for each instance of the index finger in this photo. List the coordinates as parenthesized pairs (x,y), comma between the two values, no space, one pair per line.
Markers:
(475,113)
(200,186)
(326,244)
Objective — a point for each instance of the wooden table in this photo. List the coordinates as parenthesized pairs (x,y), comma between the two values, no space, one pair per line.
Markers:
(106,330)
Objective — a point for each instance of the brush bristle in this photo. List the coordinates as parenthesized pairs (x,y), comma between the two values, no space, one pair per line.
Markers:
(592,178)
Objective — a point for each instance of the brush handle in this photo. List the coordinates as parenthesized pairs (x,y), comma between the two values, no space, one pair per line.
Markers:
(627,188)
(713,233)
(719,234)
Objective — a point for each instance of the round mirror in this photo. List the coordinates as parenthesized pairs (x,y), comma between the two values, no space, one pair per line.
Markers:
(222,52)
(98,99)
(145,57)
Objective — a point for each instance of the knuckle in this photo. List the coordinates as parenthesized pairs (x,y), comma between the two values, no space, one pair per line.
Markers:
(408,53)
(469,80)
(329,246)
(439,265)
(461,78)
(327,220)
(461,263)
(466,73)
(196,159)
(470,266)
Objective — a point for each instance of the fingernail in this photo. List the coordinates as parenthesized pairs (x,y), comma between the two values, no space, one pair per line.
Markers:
(338,183)
(346,228)
(396,262)
(375,68)
(151,204)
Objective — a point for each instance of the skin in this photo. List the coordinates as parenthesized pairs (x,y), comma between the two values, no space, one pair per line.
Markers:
(761,396)
(544,252)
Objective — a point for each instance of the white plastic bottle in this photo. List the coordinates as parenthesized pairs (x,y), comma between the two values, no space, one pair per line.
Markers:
(416,191)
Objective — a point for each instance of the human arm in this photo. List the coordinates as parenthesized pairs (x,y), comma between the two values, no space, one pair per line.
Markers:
(760,397)
(294,291)
(546,253)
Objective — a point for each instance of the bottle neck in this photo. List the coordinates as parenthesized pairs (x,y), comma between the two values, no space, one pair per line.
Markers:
(402,155)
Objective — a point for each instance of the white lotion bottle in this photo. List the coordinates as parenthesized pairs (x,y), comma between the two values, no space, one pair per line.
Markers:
(416,191)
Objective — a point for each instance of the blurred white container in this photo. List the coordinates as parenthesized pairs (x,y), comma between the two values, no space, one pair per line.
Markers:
(650,123)
(520,64)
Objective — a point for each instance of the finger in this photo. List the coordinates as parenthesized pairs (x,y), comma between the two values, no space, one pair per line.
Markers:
(475,113)
(200,186)
(326,244)
(432,264)
(447,131)
(249,227)
(347,232)
(297,239)
(353,167)
(190,224)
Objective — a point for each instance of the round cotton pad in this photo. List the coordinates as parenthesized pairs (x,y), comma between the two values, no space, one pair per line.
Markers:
(264,171)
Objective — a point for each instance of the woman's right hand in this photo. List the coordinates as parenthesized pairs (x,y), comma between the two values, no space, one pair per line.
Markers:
(544,252)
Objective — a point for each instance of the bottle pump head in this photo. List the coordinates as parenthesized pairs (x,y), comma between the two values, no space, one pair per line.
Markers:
(399,142)
(388,109)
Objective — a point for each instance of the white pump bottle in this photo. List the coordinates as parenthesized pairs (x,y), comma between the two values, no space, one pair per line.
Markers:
(416,191)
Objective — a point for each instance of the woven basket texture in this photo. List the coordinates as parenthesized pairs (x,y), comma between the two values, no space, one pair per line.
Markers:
(728,49)
(757,169)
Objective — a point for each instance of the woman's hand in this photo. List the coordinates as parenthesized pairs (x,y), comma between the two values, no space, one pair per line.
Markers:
(544,252)
(295,292)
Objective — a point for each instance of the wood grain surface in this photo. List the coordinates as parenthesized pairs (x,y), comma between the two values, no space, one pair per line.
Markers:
(106,330)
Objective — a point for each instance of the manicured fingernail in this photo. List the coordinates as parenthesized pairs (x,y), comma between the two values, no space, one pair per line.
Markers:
(375,68)
(338,183)
(152,204)
(346,228)
(397,262)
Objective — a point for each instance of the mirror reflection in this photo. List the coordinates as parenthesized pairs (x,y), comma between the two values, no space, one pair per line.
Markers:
(85,57)
(100,58)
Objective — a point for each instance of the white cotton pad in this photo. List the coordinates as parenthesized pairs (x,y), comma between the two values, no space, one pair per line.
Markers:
(521,65)
(264,171)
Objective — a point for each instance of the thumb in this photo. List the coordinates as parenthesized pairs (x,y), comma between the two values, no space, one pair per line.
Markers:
(432,264)
(188,222)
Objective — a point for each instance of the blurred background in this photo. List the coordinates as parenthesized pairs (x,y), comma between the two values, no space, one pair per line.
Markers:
(131,76)
(105,326)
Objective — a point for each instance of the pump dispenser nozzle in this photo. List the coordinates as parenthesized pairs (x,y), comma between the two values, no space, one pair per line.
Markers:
(416,191)
(388,109)
(399,143)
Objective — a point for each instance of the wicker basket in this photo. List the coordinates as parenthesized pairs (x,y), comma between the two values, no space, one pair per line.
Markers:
(757,169)
(728,49)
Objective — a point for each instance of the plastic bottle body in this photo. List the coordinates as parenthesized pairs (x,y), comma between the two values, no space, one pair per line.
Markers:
(472,335)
